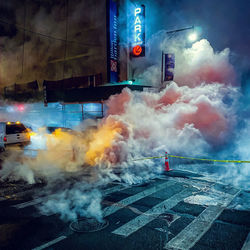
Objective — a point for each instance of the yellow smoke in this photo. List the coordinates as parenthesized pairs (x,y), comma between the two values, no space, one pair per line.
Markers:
(71,150)
(102,139)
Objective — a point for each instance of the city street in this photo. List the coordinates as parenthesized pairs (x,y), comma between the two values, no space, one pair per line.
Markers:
(124,125)
(153,215)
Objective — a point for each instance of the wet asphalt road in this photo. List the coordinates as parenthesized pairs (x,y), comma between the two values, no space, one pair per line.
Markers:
(155,215)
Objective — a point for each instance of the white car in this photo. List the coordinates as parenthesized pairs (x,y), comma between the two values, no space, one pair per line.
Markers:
(13,133)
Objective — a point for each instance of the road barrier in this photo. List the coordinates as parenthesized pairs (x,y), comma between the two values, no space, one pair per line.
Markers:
(166,156)
(191,158)
(167,168)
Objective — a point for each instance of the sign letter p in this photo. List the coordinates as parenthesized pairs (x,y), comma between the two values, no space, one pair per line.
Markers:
(137,11)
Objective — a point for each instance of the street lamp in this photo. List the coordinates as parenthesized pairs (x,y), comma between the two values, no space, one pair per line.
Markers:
(193,37)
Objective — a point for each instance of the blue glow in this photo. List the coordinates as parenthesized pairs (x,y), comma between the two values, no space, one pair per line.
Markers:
(92,107)
(10,109)
(137,25)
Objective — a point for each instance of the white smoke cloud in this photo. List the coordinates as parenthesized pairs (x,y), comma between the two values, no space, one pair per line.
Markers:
(176,119)
(74,203)
(192,120)
(195,65)
(11,171)
(239,174)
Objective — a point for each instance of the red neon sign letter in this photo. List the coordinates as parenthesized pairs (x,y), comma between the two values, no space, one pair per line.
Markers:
(137,50)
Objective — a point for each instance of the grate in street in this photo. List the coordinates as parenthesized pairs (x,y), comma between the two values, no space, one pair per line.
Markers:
(88,225)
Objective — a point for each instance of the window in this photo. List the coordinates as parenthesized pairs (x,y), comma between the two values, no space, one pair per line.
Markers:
(15,129)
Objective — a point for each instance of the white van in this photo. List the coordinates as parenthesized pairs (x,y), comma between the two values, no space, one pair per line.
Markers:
(13,133)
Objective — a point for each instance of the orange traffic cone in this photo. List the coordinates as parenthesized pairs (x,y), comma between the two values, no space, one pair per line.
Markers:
(167,168)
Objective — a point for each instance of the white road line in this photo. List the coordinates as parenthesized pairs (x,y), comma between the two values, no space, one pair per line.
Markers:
(192,233)
(246,245)
(42,199)
(131,199)
(112,209)
(30,203)
(140,221)
(196,183)
(50,243)
(114,189)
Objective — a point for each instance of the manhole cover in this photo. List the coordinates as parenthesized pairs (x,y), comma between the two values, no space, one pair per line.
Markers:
(88,225)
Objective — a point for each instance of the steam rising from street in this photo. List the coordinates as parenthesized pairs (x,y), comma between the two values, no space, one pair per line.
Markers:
(194,116)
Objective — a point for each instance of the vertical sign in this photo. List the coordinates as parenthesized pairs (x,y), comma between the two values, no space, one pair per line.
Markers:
(112,29)
(138,31)
(169,67)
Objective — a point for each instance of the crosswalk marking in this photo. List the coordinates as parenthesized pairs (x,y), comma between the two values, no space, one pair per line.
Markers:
(186,239)
(114,189)
(131,199)
(112,209)
(192,233)
(141,220)
(246,245)
(45,198)
(29,203)
(50,243)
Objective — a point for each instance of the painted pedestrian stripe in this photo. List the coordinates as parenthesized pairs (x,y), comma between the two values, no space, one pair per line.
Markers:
(46,198)
(246,245)
(141,220)
(114,189)
(131,199)
(50,243)
(192,233)
(29,203)
(114,208)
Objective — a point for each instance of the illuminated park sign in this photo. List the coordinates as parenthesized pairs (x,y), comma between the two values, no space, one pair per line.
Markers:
(138,31)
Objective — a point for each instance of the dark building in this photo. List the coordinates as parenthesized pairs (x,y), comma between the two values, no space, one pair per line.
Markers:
(63,46)
(52,40)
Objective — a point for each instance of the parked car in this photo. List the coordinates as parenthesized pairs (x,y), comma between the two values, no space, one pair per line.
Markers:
(13,133)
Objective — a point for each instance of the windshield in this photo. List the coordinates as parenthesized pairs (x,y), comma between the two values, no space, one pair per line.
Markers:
(15,128)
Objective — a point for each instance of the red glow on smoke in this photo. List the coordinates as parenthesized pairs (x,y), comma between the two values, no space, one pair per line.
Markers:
(169,97)
(208,73)
(141,133)
(208,120)
(117,103)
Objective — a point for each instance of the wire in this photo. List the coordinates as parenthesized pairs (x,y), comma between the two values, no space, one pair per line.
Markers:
(47,36)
